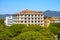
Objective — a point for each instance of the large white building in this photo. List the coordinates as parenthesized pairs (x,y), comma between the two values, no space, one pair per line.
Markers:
(26,17)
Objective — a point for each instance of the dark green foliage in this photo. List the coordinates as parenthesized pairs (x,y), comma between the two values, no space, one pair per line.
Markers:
(36,27)
(2,23)
(47,32)
(55,28)
(56,25)
(31,32)
(16,29)
(31,35)
(4,34)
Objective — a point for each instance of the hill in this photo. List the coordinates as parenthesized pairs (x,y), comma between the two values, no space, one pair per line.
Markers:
(4,15)
(47,13)
(52,13)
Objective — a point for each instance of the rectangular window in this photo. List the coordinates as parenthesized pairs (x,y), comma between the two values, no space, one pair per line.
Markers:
(38,18)
(25,15)
(32,18)
(41,21)
(25,21)
(35,18)
(28,21)
(32,15)
(32,21)
(28,18)
(41,15)
(21,21)
(29,15)
(25,18)
(38,15)
(35,21)
(38,21)
(35,15)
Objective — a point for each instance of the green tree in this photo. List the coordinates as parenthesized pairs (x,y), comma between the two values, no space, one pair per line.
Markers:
(16,29)
(31,35)
(56,25)
(55,28)
(47,32)
(5,34)
(36,27)
(26,29)
(2,23)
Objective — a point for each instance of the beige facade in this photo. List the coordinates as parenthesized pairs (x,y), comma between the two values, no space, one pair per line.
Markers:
(26,17)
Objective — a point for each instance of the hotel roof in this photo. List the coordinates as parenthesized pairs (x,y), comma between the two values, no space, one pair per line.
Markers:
(30,12)
(26,11)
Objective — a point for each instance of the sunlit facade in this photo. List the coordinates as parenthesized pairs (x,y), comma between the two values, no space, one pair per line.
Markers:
(27,17)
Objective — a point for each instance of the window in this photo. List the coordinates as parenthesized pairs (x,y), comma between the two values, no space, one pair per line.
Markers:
(25,18)
(25,21)
(25,15)
(35,21)
(32,21)
(28,21)
(38,18)
(21,21)
(28,18)
(32,18)
(32,15)
(35,15)
(35,18)
(29,15)
(41,21)
(41,15)
(38,21)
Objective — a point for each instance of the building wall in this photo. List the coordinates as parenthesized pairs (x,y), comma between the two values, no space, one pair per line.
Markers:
(26,18)
(46,23)
(9,20)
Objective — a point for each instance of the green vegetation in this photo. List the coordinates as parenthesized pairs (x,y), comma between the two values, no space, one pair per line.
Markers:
(31,32)
(2,23)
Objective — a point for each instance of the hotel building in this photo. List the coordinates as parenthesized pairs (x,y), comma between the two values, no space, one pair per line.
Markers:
(27,17)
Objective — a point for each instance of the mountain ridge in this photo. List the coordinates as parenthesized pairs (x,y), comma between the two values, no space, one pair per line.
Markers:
(47,13)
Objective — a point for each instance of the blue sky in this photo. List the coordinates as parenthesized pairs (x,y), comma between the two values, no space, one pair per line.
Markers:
(14,6)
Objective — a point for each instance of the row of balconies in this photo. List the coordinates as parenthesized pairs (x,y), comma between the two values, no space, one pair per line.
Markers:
(26,17)
(32,22)
(25,23)
(29,16)
(29,21)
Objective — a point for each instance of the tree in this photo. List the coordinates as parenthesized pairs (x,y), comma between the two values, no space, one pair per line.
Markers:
(5,34)
(55,28)
(36,27)
(31,35)
(2,23)
(31,32)
(16,29)
(56,25)
(26,29)
(47,32)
